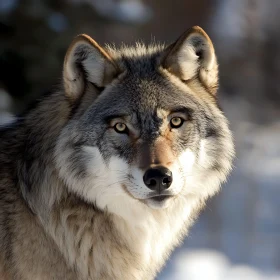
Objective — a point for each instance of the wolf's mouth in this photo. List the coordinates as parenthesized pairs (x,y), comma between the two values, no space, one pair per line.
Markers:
(160,198)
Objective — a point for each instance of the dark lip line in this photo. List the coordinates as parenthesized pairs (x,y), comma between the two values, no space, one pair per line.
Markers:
(160,195)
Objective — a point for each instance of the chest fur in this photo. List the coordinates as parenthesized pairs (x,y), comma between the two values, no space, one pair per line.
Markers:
(102,246)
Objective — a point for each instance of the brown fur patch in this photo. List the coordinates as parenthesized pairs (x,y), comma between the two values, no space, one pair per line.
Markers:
(157,153)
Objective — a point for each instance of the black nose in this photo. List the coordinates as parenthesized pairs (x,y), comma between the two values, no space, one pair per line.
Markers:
(159,178)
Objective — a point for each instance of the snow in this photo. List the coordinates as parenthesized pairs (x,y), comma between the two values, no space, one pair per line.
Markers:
(212,265)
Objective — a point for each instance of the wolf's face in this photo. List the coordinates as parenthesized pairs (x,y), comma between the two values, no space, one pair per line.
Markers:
(152,132)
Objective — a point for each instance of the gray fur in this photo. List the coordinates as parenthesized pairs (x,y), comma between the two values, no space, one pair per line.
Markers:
(54,222)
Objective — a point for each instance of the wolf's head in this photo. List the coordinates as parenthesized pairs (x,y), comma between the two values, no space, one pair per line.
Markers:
(145,128)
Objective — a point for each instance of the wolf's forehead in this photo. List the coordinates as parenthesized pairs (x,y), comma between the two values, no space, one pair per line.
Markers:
(138,55)
(150,98)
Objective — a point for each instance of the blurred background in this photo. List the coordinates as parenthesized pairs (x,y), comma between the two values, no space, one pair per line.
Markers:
(238,235)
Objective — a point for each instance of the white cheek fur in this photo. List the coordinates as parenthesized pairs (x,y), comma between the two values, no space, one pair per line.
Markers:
(181,169)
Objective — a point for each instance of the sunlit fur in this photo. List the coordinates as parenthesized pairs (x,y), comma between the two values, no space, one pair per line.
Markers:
(73,204)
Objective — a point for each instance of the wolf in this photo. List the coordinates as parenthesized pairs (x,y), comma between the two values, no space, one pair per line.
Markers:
(103,178)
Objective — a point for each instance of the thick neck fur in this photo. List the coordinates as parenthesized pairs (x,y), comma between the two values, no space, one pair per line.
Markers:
(95,244)
(104,246)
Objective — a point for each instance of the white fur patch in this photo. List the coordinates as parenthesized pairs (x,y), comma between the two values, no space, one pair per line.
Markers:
(187,61)
(107,179)
(181,169)
(204,159)
(186,160)
(204,181)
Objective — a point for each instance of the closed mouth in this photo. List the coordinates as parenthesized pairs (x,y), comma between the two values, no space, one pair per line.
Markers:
(160,198)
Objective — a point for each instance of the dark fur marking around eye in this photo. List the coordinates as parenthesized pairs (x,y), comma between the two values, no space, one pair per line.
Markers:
(186,111)
(111,117)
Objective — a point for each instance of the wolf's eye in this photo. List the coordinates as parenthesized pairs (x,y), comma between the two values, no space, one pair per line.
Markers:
(120,128)
(176,122)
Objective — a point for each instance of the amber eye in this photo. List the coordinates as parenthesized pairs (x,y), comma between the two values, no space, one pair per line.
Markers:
(176,122)
(120,128)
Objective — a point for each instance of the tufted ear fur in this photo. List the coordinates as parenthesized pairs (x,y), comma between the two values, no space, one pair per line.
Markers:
(193,56)
(86,61)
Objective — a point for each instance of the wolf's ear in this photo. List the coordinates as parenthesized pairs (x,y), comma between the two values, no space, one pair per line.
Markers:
(86,61)
(193,56)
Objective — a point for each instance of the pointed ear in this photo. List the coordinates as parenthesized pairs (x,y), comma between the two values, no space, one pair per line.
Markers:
(86,61)
(193,56)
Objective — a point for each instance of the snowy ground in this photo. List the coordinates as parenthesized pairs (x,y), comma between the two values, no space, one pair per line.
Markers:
(212,265)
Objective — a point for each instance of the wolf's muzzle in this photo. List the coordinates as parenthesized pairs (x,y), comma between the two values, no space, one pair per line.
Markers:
(158,178)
